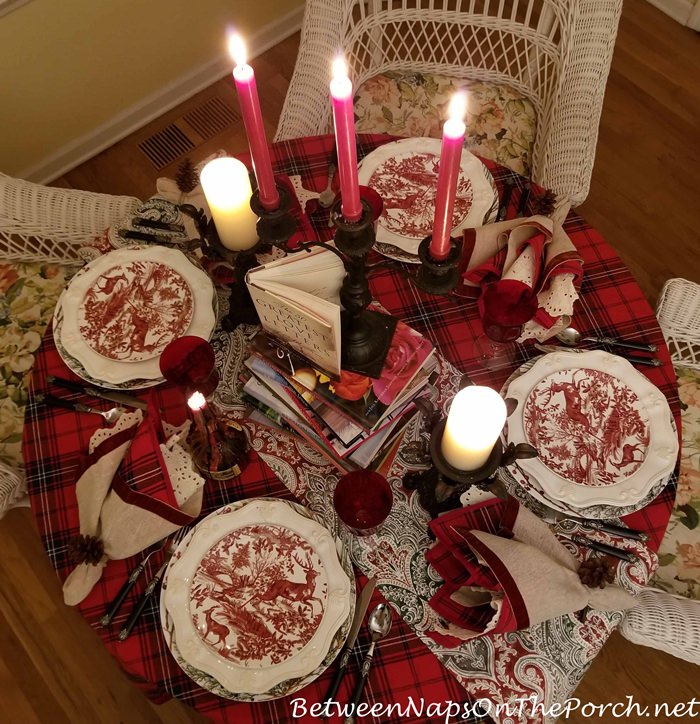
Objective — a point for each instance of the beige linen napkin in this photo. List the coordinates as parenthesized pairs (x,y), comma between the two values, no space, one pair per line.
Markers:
(127,498)
(504,570)
(535,251)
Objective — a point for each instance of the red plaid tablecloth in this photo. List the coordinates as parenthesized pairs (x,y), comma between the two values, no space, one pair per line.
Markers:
(54,440)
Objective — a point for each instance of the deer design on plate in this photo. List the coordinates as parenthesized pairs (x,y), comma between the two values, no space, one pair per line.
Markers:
(572,399)
(294,591)
(216,628)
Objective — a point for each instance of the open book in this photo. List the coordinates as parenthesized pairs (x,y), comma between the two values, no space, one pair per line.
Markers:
(297,300)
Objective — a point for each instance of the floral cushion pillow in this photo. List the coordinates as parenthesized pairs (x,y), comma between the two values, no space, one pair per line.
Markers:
(501,123)
(28,295)
(679,554)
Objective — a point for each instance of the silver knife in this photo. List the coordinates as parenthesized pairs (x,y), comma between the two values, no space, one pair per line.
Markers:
(554,516)
(113,396)
(360,611)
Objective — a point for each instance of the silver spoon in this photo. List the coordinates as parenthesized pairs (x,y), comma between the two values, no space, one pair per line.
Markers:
(327,196)
(379,624)
(572,338)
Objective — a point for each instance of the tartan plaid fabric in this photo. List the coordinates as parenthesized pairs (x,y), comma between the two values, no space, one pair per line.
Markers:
(403,668)
(143,469)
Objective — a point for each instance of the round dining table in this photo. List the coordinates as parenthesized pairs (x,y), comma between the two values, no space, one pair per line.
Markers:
(544,663)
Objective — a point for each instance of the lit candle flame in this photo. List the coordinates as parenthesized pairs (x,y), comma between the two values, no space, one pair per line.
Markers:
(237,49)
(458,106)
(196,401)
(340,68)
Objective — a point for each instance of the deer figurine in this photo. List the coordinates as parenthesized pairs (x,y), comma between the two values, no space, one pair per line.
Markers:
(294,591)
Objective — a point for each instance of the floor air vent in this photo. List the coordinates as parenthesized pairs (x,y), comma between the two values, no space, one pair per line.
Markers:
(212,117)
(165,146)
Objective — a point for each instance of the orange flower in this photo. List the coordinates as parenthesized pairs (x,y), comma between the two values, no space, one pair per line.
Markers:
(50,271)
(688,486)
(351,386)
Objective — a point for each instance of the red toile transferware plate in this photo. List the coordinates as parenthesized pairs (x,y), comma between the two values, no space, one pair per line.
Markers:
(134,310)
(603,432)
(123,308)
(404,174)
(257,597)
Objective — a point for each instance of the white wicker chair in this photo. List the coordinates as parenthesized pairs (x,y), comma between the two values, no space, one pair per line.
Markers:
(678,312)
(663,620)
(40,225)
(555,52)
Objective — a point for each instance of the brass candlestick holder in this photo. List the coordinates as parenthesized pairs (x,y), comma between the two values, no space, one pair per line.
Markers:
(440,486)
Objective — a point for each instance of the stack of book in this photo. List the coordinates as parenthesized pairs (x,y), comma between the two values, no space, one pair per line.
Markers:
(352,419)
(294,376)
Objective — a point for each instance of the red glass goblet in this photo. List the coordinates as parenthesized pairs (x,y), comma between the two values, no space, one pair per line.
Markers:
(190,363)
(363,500)
(504,306)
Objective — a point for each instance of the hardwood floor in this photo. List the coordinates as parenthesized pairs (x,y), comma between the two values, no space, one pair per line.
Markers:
(53,667)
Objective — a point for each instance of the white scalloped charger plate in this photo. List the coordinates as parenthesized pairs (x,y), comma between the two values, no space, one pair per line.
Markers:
(602,430)
(284,688)
(71,342)
(404,173)
(258,596)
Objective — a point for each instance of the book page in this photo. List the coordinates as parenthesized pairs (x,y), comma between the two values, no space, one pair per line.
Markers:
(314,337)
(319,273)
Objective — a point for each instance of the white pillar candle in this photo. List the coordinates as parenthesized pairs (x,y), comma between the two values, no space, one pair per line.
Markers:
(226,185)
(476,418)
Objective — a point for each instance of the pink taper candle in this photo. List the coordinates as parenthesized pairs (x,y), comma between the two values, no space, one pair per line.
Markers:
(448,172)
(244,78)
(341,97)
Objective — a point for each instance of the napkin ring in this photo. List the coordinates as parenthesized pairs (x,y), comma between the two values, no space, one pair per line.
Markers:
(85,549)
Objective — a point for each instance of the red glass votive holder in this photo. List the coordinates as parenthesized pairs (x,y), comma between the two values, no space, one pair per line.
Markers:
(363,499)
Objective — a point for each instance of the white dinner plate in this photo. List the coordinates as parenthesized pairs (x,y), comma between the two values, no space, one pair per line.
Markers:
(257,597)
(124,307)
(603,432)
(404,173)
(284,688)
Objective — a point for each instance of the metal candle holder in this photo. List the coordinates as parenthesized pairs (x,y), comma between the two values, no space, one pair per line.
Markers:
(440,486)
(366,335)
(274,228)
(438,277)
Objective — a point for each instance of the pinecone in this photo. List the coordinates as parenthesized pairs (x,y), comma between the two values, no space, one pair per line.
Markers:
(543,204)
(85,549)
(186,176)
(596,572)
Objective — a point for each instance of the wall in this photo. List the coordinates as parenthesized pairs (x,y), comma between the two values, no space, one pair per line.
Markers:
(69,67)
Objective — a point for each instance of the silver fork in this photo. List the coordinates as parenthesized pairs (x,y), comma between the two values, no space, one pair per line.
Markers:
(150,589)
(110,416)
